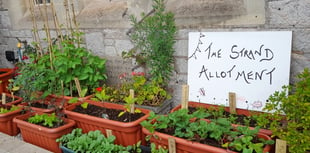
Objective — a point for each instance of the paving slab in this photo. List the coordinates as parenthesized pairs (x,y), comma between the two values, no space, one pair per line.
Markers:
(9,144)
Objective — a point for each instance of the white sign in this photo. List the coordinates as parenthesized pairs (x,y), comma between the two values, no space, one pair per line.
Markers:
(251,64)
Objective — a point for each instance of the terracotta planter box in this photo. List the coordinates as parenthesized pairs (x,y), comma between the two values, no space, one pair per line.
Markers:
(42,136)
(238,111)
(7,125)
(186,146)
(5,75)
(126,133)
(16,101)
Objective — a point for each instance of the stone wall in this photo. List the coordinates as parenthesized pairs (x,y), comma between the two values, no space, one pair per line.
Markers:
(106,23)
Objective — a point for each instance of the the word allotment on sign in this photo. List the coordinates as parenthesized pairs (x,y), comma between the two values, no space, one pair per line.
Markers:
(251,64)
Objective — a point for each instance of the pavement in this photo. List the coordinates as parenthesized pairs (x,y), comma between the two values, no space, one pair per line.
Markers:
(9,144)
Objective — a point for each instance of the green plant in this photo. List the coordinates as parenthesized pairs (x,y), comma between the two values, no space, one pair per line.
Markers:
(147,92)
(48,120)
(192,127)
(293,102)
(154,39)
(159,150)
(245,143)
(8,109)
(93,141)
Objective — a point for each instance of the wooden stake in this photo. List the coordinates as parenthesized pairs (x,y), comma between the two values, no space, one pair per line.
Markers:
(232,103)
(3,98)
(132,95)
(109,132)
(78,86)
(184,101)
(280,146)
(172,146)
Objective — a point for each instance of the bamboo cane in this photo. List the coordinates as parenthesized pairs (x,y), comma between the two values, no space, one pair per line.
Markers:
(38,47)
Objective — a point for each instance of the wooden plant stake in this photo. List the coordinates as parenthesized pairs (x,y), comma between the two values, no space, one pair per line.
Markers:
(132,95)
(184,101)
(3,98)
(109,132)
(78,86)
(280,146)
(172,146)
(232,103)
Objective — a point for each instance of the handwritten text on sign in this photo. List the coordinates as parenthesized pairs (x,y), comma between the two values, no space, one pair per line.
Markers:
(251,64)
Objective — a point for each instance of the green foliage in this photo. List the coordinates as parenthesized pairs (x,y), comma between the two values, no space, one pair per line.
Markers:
(48,120)
(77,62)
(295,126)
(146,92)
(154,39)
(84,105)
(93,141)
(192,127)
(6,110)
(54,71)
(159,150)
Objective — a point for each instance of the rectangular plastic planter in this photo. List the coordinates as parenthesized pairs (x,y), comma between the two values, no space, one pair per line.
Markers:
(7,125)
(126,133)
(42,136)
(186,146)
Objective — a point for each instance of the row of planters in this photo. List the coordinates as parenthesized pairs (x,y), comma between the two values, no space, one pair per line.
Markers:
(52,77)
(43,129)
(209,128)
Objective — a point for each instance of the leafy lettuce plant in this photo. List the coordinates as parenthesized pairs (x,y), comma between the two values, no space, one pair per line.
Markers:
(48,120)
(93,141)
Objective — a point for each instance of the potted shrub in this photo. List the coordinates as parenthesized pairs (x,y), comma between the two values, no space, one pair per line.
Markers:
(92,115)
(5,75)
(43,129)
(190,132)
(7,113)
(154,38)
(293,102)
(92,141)
(149,94)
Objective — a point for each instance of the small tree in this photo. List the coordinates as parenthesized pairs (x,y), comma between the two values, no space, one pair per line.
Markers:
(153,37)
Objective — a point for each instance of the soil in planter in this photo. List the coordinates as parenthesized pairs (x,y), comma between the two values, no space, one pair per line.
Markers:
(8,99)
(40,105)
(111,114)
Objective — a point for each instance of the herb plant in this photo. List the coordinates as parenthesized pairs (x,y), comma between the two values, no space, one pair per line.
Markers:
(293,102)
